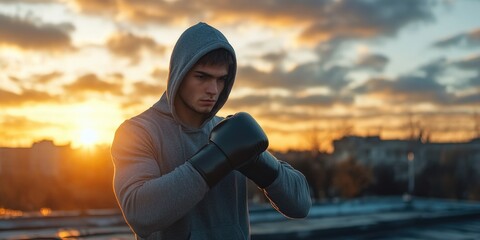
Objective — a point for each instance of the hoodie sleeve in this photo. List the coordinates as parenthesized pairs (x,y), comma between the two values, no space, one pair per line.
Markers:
(149,200)
(289,193)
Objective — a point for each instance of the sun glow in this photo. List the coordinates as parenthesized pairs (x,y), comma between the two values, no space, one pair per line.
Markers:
(88,137)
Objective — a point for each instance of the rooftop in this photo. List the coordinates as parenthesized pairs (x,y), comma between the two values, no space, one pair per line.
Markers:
(368,218)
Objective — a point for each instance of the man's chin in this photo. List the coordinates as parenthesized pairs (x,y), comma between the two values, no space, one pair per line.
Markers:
(205,111)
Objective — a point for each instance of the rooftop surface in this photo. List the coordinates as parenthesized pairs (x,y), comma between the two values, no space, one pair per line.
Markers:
(369,218)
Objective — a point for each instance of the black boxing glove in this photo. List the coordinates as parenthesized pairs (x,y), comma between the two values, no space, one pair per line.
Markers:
(262,170)
(233,142)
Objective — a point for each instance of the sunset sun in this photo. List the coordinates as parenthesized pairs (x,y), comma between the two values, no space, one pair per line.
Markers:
(88,137)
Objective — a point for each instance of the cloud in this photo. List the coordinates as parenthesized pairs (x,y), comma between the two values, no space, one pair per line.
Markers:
(300,78)
(12,99)
(466,39)
(159,75)
(434,69)
(407,90)
(475,81)
(276,58)
(320,20)
(316,100)
(375,62)
(470,99)
(471,63)
(20,123)
(422,86)
(95,7)
(142,89)
(142,11)
(286,116)
(32,34)
(91,83)
(27,1)
(131,46)
(249,101)
(14,79)
(327,51)
(35,79)
(365,19)
(264,101)
(19,127)
(47,77)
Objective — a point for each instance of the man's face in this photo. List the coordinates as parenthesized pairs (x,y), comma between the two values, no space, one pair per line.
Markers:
(200,90)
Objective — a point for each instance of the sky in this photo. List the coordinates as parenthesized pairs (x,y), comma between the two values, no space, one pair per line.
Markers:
(309,71)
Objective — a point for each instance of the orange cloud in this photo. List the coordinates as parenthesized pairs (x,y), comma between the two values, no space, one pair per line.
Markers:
(19,129)
(138,11)
(11,99)
(31,34)
(96,6)
(28,1)
(141,92)
(130,46)
(21,123)
(159,74)
(147,89)
(91,83)
(47,77)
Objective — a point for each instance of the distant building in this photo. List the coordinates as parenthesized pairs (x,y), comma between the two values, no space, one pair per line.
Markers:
(373,151)
(43,158)
(14,160)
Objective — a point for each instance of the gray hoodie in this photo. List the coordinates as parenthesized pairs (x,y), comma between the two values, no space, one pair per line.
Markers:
(160,194)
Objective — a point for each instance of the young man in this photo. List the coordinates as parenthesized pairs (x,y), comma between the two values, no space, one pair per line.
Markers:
(180,171)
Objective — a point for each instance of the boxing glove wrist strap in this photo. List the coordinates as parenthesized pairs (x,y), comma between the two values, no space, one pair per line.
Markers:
(211,163)
(263,171)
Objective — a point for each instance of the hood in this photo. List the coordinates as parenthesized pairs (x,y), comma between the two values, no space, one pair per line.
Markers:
(195,42)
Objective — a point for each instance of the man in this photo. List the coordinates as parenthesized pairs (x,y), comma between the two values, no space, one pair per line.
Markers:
(180,170)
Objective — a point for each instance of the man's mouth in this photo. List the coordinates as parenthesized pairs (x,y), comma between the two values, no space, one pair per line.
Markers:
(208,101)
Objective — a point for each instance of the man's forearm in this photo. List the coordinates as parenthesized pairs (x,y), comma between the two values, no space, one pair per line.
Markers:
(155,204)
(289,193)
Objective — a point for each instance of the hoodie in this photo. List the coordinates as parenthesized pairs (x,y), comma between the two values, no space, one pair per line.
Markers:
(160,193)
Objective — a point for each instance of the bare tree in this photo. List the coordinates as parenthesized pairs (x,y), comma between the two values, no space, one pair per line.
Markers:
(417,131)
(314,141)
(476,120)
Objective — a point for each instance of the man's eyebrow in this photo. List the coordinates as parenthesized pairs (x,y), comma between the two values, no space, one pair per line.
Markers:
(208,74)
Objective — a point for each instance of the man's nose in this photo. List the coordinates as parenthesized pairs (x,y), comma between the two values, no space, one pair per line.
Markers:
(212,87)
